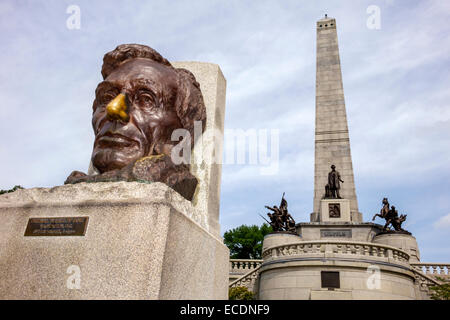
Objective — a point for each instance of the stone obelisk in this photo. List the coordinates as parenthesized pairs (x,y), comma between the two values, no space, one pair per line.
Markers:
(332,143)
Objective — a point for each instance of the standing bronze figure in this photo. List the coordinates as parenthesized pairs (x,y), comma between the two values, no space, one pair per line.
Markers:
(333,186)
(280,219)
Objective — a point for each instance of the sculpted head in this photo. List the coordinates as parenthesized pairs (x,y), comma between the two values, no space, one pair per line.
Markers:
(141,101)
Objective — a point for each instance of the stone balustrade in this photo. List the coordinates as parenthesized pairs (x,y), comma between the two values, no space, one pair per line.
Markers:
(424,281)
(246,272)
(247,280)
(329,248)
(433,269)
(243,266)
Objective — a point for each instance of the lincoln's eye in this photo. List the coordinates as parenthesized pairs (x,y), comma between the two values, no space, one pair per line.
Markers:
(145,98)
(107,96)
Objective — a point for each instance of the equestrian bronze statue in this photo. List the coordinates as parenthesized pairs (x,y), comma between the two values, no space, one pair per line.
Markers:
(391,217)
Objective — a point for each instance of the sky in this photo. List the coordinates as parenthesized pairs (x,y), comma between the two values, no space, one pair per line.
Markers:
(396,79)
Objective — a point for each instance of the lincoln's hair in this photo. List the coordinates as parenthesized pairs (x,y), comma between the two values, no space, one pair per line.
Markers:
(189,103)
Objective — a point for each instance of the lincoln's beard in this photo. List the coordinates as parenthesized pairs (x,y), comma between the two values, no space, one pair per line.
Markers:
(109,158)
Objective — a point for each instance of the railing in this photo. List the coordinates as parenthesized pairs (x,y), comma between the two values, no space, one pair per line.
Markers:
(436,270)
(247,280)
(248,270)
(425,274)
(243,266)
(328,248)
(424,282)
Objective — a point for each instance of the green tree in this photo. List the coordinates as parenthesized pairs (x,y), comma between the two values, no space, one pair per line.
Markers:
(442,291)
(11,190)
(245,242)
(240,293)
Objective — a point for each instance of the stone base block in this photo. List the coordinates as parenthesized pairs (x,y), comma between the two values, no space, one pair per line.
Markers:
(279,238)
(143,241)
(345,231)
(314,217)
(331,295)
(403,241)
(356,216)
(335,210)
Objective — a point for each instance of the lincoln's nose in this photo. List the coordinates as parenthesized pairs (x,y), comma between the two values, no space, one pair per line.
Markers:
(117,108)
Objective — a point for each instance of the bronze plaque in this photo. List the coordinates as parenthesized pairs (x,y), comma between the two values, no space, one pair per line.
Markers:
(330,279)
(58,226)
(334,209)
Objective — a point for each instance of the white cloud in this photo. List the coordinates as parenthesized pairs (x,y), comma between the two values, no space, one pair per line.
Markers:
(443,222)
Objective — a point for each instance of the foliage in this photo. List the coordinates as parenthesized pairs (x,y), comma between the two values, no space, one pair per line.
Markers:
(245,242)
(11,190)
(442,291)
(240,293)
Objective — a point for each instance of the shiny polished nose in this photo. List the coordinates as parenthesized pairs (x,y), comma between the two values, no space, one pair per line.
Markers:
(117,108)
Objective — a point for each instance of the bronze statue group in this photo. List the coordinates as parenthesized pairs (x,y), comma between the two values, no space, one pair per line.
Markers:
(280,219)
(391,216)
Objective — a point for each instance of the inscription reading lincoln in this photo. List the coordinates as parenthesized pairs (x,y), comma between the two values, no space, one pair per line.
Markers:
(61,226)
(335,233)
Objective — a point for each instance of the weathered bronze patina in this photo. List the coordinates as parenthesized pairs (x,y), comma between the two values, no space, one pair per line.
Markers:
(60,226)
(333,186)
(384,210)
(391,217)
(334,210)
(280,219)
(141,101)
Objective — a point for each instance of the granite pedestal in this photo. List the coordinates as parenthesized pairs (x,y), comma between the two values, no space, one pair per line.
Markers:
(142,241)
